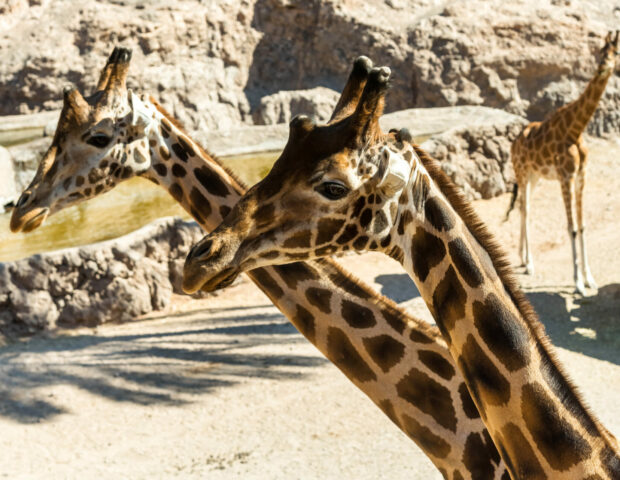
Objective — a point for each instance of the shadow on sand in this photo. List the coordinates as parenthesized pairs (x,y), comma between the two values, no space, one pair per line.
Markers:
(152,368)
(589,325)
(397,286)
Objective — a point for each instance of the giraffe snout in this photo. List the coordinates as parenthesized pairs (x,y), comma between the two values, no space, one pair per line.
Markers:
(209,266)
(27,215)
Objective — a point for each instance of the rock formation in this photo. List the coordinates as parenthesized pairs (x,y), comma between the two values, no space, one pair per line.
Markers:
(117,280)
(212,63)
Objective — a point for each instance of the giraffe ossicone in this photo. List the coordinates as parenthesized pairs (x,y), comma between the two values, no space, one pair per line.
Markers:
(324,196)
(398,361)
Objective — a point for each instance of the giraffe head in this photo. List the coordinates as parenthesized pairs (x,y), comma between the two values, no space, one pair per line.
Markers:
(335,187)
(99,141)
(609,52)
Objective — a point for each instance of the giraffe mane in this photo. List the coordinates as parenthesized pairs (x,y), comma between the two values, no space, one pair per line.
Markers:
(239,185)
(558,380)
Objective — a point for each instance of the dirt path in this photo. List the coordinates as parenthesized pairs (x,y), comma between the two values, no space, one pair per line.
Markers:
(226,388)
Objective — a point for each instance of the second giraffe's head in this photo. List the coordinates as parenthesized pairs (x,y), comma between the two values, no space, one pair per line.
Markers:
(335,187)
(609,53)
(99,141)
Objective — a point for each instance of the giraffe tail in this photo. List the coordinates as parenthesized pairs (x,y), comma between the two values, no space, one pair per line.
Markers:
(513,200)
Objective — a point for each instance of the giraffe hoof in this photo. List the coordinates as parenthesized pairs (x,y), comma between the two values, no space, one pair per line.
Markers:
(580,289)
(529,269)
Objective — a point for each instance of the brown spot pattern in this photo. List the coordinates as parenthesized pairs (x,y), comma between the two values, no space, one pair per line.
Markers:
(264,215)
(384,350)
(518,454)
(267,283)
(429,396)
(341,351)
(304,321)
(176,191)
(211,181)
(299,239)
(449,300)
(561,445)
(438,215)
(468,404)
(427,440)
(356,315)
(199,206)
(437,364)
(465,263)
(320,298)
(327,228)
(503,333)
(476,457)
(427,251)
(483,377)
(294,273)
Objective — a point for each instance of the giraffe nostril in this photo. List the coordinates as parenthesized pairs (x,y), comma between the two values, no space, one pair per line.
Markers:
(23,199)
(201,249)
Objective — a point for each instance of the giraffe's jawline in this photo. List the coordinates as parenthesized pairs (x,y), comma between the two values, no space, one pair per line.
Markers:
(221,280)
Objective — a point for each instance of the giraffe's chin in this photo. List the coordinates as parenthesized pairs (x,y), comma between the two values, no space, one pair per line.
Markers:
(196,281)
(29,222)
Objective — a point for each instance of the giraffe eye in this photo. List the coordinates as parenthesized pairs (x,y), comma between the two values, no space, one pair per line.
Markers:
(332,190)
(99,141)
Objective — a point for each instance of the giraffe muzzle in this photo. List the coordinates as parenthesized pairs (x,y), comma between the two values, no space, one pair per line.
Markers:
(207,267)
(25,216)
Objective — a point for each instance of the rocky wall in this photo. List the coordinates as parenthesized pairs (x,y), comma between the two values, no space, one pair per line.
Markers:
(116,280)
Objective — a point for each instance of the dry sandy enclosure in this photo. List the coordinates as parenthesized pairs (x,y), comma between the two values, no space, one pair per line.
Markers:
(226,388)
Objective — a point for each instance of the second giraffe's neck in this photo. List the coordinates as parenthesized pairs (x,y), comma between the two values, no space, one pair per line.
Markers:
(577,114)
(532,411)
(396,360)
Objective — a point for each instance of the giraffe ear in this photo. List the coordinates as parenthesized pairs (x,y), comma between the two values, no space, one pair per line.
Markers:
(396,171)
(141,115)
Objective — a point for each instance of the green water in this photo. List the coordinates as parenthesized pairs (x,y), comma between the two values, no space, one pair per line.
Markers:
(129,206)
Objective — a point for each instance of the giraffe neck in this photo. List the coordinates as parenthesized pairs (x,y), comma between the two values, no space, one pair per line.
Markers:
(533,413)
(195,180)
(576,115)
(398,361)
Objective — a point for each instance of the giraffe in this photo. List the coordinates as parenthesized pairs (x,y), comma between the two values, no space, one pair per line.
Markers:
(555,149)
(398,361)
(346,185)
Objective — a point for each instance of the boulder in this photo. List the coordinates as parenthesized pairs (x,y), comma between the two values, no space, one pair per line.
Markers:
(477,157)
(116,280)
(282,106)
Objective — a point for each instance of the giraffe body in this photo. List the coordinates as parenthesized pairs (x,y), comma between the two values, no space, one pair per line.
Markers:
(342,186)
(402,364)
(554,149)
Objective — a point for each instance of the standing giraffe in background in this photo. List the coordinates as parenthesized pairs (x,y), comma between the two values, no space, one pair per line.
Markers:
(555,148)
(346,185)
(399,362)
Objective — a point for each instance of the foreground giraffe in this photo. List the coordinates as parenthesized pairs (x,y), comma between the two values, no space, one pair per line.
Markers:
(555,149)
(346,185)
(398,361)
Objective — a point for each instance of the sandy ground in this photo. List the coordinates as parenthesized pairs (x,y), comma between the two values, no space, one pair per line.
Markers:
(226,388)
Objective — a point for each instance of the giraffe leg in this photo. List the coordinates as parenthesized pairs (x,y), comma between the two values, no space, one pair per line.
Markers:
(568,194)
(524,244)
(585,267)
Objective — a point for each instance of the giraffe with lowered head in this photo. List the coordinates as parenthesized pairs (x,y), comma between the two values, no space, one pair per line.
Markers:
(555,149)
(346,185)
(399,362)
